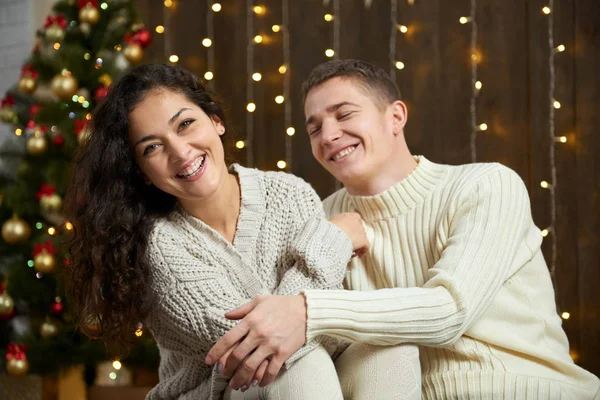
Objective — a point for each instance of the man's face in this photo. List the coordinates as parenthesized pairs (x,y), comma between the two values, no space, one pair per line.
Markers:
(350,135)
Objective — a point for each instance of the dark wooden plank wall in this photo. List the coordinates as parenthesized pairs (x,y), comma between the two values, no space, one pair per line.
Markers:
(436,86)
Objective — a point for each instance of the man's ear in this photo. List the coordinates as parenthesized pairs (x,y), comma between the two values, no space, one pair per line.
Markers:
(400,116)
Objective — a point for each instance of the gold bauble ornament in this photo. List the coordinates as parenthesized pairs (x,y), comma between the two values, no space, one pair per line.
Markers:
(6,304)
(15,231)
(37,144)
(48,329)
(16,367)
(133,53)
(64,86)
(89,14)
(54,33)
(51,203)
(7,114)
(27,85)
(44,262)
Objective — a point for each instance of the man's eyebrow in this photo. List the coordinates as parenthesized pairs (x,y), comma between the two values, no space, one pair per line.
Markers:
(332,108)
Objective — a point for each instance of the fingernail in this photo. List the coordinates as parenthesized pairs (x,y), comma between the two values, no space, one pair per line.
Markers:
(243,388)
(219,368)
(208,360)
(254,383)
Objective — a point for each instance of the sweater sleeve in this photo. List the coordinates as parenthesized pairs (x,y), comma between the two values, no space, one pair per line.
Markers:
(489,221)
(320,251)
(190,316)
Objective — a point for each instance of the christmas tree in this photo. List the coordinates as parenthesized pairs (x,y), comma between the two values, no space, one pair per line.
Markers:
(83,47)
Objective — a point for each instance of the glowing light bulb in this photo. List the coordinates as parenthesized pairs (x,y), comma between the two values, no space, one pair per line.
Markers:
(258,10)
(464,20)
(556,104)
(206,42)
(52,231)
(329,53)
(69,226)
(251,107)
(483,127)
(290,131)
(258,39)
(279,99)
(216,7)
(174,58)
(256,76)
(560,48)
(275,28)
(478,85)
(399,65)
(168,3)
(160,29)
(282,69)
(545,232)
(328,17)
(546,10)
(240,144)
(281,164)
(561,139)
(544,184)
(117,365)
(403,28)
(208,75)
(565,315)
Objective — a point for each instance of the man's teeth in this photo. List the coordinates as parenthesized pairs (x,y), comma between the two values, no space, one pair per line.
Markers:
(193,168)
(344,153)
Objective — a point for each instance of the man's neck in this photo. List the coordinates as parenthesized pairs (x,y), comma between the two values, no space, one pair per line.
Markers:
(404,163)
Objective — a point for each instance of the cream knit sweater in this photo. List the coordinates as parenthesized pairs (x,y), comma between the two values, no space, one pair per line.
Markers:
(283,244)
(457,258)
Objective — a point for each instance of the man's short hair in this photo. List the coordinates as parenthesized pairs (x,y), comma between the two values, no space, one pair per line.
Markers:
(373,80)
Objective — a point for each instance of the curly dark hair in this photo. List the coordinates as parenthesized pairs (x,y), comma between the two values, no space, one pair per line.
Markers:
(113,210)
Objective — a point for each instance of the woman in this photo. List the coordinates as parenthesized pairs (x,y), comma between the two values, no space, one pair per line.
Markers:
(166,234)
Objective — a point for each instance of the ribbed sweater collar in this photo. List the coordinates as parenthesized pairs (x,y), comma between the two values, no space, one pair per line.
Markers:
(404,195)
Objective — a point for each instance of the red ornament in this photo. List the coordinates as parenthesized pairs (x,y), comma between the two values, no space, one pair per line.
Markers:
(58,140)
(142,37)
(34,109)
(45,190)
(57,308)
(28,71)
(80,125)
(31,124)
(101,93)
(58,20)
(16,351)
(83,3)
(8,101)
(48,246)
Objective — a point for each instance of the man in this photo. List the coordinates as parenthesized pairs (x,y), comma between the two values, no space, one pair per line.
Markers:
(454,266)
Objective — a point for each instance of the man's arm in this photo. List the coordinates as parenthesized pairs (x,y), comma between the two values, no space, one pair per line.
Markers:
(489,223)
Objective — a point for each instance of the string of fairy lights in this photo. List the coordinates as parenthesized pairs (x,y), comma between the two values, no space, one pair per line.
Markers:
(476,84)
(553,105)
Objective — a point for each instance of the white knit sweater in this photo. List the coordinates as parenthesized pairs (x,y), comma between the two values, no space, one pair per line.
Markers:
(283,244)
(457,258)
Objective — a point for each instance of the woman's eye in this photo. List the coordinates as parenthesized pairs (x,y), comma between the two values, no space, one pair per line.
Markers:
(185,124)
(345,115)
(149,149)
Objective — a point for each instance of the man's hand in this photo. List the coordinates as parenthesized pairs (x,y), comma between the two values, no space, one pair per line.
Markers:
(271,329)
(352,224)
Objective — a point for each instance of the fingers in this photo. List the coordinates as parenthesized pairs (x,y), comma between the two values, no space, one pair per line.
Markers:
(239,354)
(223,361)
(272,370)
(226,342)
(241,311)
(260,373)
(248,369)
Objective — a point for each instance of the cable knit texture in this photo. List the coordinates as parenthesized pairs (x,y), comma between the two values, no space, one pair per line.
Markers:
(457,257)
(283,245)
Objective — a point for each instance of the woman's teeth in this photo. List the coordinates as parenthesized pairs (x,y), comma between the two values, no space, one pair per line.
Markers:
(344,153)
(193,168)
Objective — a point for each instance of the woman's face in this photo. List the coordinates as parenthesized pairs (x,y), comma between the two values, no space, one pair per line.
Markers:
(177,146)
